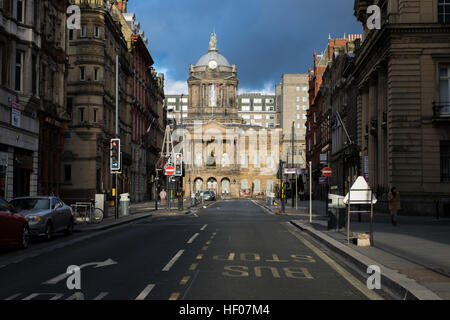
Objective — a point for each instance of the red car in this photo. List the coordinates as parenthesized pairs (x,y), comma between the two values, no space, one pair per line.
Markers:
(14,228)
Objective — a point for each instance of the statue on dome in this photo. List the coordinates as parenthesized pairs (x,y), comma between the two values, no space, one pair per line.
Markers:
(213,42)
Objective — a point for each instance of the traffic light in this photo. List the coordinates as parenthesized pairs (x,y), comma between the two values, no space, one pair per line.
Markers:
(178,164)
(115,155)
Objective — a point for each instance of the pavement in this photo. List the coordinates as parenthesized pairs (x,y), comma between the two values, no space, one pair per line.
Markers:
(414,256)
(138,211)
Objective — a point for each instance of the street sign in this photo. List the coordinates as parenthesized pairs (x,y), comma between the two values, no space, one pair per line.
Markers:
(290,171)
(323,180)
(170,170)
(360,193)
(327,172)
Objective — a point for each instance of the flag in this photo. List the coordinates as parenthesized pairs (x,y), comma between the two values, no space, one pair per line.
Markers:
(217,85)
(160,163)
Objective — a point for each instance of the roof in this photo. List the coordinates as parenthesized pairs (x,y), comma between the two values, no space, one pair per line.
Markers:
(213,55)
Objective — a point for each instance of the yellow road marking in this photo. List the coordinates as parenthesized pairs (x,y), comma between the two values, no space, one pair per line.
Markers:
(174,296)
(200,257)
(193,266)
(205,248)
(346,275)
(184,280)
(208,242)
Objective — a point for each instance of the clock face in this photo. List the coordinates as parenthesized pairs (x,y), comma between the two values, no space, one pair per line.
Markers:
(212,64)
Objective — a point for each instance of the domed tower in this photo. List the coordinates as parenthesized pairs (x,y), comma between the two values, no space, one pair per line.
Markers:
(213,87)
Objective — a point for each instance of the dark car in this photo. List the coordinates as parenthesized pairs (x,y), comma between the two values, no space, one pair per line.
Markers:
(208,195)
(14,229)
(45,215)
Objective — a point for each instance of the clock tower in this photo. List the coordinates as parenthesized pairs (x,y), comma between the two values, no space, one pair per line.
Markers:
(213,87)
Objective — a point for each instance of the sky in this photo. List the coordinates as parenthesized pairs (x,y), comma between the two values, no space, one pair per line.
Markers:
(263,38)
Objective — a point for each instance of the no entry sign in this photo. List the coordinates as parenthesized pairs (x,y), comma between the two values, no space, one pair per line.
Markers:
(169,170)
(327,172)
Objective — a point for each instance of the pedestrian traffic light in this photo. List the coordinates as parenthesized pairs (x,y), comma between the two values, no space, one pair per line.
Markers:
(115,155)
(178,164)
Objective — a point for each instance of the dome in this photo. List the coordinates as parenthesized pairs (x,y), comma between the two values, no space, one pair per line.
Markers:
(213,54)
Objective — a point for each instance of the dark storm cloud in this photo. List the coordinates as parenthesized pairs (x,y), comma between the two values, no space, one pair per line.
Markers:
(264,38)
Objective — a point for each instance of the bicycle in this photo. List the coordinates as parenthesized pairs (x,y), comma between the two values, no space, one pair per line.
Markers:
(88,212)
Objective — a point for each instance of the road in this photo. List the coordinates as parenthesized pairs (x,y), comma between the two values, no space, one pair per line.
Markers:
(231,250)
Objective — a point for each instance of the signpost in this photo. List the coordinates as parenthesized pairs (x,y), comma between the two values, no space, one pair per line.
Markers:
(169,170)
(327,172)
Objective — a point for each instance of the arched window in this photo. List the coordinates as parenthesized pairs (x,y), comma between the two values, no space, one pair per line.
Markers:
(225,187)
(257,186)
(198,185)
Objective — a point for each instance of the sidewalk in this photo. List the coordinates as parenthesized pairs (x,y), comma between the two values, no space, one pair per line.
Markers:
(138,211)
(417,249)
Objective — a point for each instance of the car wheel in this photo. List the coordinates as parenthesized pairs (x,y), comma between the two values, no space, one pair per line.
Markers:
(69,230)
(48,231)
(25,237)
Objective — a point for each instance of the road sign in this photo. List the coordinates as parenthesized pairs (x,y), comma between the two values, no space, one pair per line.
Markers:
(170,170)
(327,172)
(323,180)
(360,193)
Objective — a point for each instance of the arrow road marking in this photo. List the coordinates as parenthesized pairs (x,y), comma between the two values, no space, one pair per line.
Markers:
(145,292)
(96,265)
(193,238)
(171,262)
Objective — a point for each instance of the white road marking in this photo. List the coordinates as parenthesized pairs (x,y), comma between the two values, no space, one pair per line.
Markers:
(193,238)
(171,262)
(145,292)
(101,296)
(56,296)
(13,296)
(204,227)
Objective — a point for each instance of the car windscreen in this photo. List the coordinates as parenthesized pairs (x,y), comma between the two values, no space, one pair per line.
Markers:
(31,204)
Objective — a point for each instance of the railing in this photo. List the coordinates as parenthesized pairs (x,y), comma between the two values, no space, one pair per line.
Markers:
(441,110)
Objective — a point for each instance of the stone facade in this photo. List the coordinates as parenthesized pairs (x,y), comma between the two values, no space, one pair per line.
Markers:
(91,101)
(221,152)
(403,102)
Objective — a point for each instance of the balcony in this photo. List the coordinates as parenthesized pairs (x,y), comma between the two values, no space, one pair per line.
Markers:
(441,112)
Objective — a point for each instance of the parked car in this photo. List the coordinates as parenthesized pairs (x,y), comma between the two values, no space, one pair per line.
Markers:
(45,215)
(208,195)
(14,229)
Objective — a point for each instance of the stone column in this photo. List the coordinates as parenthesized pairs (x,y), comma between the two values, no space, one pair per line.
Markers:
(372,147)
(382,137)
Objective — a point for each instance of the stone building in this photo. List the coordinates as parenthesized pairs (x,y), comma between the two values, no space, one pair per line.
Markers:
(20,45)
(402,73)
(259,109)
(53,116)
(91,100)
(222,152)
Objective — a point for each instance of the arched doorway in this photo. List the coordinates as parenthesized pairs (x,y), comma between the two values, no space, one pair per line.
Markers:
(198,183)
(226,191)
(212,185)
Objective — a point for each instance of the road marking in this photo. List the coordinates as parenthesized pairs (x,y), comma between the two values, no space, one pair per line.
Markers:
(193,266)
(96,265)
(208,242)
(204,227)
(184,280)
(145,292)
(193,238)
(56,296)
(171,262)
(101,296)
(13,296)
(174,296)
(205,248)
(200,257)
(346,275)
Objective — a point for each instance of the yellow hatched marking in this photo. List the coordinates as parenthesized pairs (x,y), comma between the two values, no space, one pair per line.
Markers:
(193,266)
(174,296)
(184,280)
(205,248)
(200,257)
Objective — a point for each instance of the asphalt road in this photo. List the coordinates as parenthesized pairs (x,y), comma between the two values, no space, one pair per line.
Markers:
(231,250)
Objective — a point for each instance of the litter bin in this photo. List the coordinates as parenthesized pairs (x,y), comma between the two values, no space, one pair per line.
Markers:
(125,204)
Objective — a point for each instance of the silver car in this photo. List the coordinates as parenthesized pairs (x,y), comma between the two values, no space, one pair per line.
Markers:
(45,215)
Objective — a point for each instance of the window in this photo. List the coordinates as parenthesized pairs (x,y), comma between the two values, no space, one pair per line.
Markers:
(305,88)
(96,31)
(245,108)
(71,34)
(305,107)
(444,90)
(269,100)
(67,173)
(298,88)
(21,11)
(83,31)
(445,161)
(257,108)
(298,117)
(245,100)
(19,71)
(298,99)
(212,96)
(172,100)
(96,73)
(95,116)
(258,117)
(298,108)
(69,106)
(304,117)
(298,125)
(81,114)
(305,99)
(444,11)
(246,116)
(82,73)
